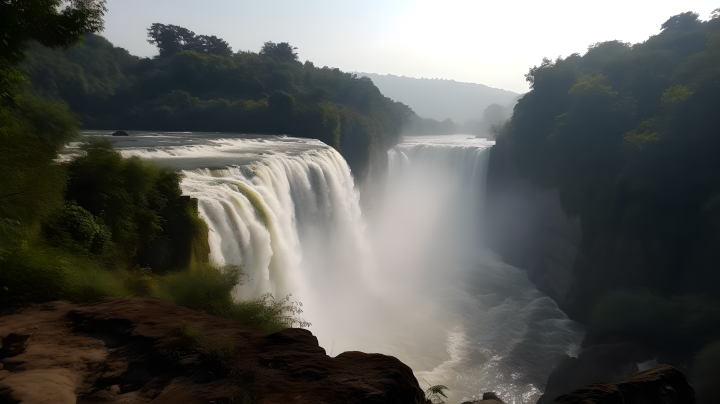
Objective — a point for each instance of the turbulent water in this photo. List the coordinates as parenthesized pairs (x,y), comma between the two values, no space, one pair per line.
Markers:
(408,277)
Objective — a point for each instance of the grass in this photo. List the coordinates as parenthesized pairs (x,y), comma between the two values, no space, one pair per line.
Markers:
(210,288)
(37,271)
(191,335)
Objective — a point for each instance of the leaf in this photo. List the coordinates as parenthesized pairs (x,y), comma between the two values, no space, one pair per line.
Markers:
(436,390)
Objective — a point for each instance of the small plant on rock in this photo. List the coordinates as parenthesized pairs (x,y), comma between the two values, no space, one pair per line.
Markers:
(435,394)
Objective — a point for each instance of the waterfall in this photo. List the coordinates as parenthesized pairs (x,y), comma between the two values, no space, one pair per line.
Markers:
(409,278)
(281,217)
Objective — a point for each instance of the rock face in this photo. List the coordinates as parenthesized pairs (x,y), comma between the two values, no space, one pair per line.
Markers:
(527,227)
(127,351)
(13,344)
(120,133)
(488,398)
(606,363)
(661,385)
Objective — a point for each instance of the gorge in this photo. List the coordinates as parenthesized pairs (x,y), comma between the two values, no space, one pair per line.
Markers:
(578,247)
(407,275)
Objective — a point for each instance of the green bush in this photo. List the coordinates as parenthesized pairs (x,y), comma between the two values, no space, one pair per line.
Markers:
(211,289)
(31,182)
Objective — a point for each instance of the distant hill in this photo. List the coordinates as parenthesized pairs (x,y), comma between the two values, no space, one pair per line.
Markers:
(441,99)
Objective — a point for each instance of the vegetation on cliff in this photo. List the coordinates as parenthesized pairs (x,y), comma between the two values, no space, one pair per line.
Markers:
(198,84)
(628,134)
(97,224)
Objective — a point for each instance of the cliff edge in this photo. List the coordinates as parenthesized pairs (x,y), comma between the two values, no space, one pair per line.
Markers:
(143,350)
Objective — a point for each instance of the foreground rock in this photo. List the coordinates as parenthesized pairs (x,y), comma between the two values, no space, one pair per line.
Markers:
(661,385)
(130,351)
(488,398)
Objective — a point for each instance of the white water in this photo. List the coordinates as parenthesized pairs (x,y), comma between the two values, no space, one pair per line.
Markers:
(409,279)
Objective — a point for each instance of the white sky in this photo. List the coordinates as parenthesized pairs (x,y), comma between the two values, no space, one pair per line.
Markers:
(486,42)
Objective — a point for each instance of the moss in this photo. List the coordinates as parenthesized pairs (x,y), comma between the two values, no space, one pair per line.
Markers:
(256,202)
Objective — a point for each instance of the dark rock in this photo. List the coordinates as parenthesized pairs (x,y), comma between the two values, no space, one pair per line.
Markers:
(661,385)
(488,398)
(491,396)
(14,344)
(606,363)
(120,133)
(138,356)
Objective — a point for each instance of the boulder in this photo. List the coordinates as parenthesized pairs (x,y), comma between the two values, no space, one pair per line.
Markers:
(661,385)
(603,363)
(488,398)
(120,133)
(14,344)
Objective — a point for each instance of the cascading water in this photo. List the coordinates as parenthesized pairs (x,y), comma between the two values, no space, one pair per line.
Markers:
(409,278)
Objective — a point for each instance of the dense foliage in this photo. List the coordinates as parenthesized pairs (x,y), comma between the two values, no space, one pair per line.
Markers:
(45,21)
(96,224)
(190,87)
(628,134)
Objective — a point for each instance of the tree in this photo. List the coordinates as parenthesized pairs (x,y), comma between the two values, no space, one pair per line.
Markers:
(45,21)
(171,39)
(530,76)
(282,50)
(211,45)
(685,21)
(493,114)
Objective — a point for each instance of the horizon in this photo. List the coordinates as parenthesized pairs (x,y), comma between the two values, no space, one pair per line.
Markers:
(414,38)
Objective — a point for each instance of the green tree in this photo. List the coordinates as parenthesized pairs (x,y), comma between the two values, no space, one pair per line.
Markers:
(211,45)
(171,39)
(685,21)
(282,50)
(493,114)
(45,21)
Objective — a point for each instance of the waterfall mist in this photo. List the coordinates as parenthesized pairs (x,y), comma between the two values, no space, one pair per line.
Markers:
(409,278)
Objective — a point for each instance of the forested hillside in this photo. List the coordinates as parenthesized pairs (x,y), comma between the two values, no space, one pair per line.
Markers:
(198,84)
(630,136)
(95,224)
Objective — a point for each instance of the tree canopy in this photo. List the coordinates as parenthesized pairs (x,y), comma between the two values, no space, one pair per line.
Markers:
(188,87)
(628,135)
(172,39)
(45,21)
(282,50)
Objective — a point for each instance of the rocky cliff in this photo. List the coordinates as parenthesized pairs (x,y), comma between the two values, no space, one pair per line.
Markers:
(143,350)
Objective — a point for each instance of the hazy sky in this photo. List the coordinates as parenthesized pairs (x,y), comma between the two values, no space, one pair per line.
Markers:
(492,43)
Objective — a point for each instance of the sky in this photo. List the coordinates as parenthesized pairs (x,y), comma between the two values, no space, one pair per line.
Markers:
(487,42)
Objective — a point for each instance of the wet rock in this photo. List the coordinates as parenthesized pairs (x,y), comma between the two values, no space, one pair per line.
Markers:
(120,133)
(661,385)
(604,363)
(488,398)
(14,344)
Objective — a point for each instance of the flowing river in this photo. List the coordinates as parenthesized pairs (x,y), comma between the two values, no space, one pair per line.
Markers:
(408,278)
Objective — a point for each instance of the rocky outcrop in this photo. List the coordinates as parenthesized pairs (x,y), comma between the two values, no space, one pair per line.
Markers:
(488,398)
(135,350)
(661,385)
(120,133)
(606,363)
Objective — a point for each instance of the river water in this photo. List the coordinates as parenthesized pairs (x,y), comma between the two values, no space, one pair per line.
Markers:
(410,278)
